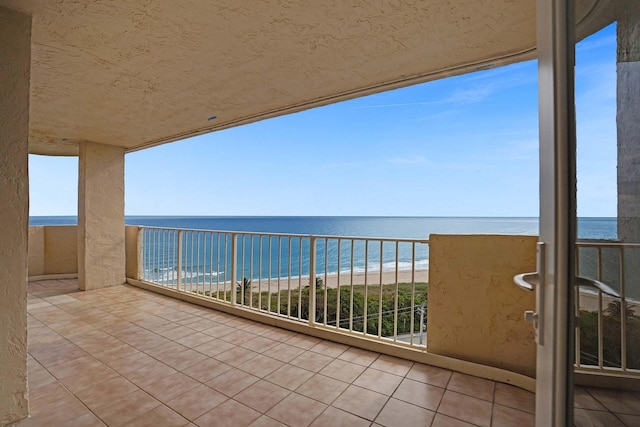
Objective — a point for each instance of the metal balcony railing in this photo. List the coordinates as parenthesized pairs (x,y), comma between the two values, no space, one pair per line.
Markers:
(373,287)
(608,325)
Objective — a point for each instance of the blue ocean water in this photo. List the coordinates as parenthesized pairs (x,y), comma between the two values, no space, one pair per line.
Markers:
(206,257)
(401,227)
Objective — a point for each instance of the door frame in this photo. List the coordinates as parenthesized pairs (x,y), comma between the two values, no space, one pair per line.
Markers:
(557,137)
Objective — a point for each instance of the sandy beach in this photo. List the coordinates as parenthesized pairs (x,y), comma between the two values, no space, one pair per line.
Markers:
(331,281)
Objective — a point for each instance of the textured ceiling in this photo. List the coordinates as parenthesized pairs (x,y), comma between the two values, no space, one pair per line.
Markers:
(140,73)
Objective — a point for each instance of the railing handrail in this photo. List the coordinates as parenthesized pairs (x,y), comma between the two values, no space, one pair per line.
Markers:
(606,244)
(317,236)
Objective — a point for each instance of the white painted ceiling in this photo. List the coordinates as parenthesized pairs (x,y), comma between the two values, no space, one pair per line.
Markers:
(139,73)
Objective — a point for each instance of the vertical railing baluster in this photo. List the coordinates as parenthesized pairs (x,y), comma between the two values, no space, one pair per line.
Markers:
(338,307)
(623,313)
(179,267)
(324,293)
(380,296)
(413,291)
(140,254)
(279,266)
(234,265)
(312,281)
(351,285)
(395,302)
(366,287)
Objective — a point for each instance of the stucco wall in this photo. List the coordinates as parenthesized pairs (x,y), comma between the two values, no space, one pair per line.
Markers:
(101,239)
(53,250)
(475,311)
(36,251)
(15,63)
(61,249)
(131,249)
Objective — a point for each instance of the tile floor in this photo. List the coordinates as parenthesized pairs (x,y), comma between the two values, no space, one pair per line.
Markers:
(127,357)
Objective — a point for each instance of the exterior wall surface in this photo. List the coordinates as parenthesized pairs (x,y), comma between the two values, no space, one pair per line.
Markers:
(36,251)
(131,235)
(61,249)
(15,63)
(101,239)
(475,311)
(628,125)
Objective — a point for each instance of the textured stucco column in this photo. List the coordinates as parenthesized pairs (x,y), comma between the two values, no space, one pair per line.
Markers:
(101,238)
(628,121)
(15,63)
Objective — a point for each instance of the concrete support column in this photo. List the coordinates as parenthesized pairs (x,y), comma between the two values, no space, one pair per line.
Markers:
(628,123)
(15,64)
(101,235)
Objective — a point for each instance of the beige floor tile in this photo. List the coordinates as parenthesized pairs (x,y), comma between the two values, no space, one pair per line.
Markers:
(420,394)
(170,387)
(262,395)
(159,416)
(379,381)
(430,374)
(232,382)
(196,402)
(392,365)
(103,393)
(184,359)
(329,348)
(238,337)
(311,361)
(444,421)
(504,416)
(397,413)
(150,373)
(261,366)
(290,377)
(206,370)
(582,399)
(284,352)
(361,402)
(334,417)
(343,370)
(296,410)
(86,420)
(322,388)
(303,341)
(87,378)
(589,418)
(472,386)
(629,420)
(515,397)
(194,340)
(127,407)
(359,356)
(228,414)
(131,363)
(265,421)
(214,347)
(259,344)
(466,408)
(236,356)
(617,400)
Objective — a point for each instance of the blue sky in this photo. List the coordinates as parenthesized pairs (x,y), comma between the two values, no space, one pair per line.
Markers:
(462,146)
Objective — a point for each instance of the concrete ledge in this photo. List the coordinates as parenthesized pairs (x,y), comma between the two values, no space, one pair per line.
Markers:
(475,369)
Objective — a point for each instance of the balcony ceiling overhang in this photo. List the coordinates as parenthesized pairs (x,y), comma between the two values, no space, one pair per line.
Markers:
(137,74)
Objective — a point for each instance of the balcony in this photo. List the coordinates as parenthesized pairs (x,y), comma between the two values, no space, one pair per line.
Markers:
(128,356)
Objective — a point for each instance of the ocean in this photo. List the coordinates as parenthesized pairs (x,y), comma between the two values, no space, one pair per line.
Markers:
(206,257)
(400,227)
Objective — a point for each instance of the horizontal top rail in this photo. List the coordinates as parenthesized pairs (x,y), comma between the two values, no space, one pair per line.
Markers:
(606,244)
(320,236)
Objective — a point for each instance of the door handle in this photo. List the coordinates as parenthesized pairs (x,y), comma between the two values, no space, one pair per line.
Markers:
(531,282)
(526,281)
